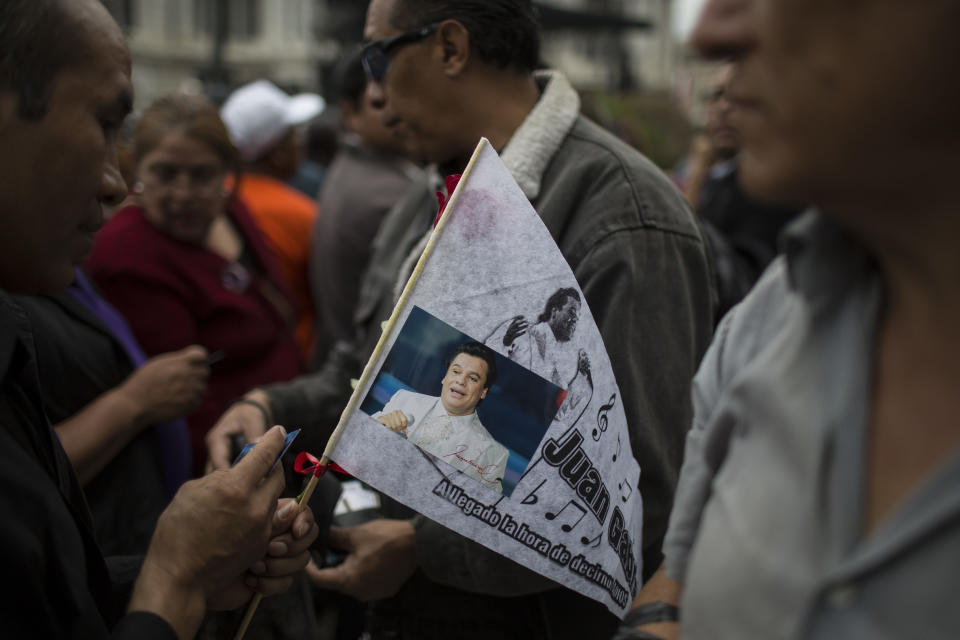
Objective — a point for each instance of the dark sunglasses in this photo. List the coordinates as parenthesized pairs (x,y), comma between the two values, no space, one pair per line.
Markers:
(376,55)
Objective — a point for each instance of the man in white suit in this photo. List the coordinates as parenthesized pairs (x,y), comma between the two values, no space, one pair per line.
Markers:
(448,426)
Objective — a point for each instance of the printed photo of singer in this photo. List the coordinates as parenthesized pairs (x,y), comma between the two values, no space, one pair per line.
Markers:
(457,399)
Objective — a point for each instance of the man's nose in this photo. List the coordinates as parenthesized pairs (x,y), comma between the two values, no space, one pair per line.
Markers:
(724,29)
(724,105)
(376,96)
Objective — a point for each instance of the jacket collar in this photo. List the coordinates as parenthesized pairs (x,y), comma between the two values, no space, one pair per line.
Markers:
(535,142)
(824,260)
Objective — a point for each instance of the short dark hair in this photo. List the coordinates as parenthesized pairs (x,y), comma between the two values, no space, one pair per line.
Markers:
(557,300)
(38,40)
(478,350)
(196,117)
(503,33)
(350,80)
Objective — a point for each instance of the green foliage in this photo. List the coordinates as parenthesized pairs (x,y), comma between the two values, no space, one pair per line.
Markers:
(652,123)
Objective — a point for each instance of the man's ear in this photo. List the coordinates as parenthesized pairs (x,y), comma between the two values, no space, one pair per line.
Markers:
(483,394)
(454,42)
(349,113)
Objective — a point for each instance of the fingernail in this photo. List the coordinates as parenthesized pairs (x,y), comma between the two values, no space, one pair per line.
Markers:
(282,430)
(286,510)
(277,548)
(259,568)
(302,529)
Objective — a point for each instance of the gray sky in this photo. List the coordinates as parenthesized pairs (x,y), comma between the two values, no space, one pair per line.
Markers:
(685,13)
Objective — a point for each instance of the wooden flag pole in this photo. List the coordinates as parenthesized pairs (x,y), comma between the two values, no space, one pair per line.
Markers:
(252,607)
(369,369)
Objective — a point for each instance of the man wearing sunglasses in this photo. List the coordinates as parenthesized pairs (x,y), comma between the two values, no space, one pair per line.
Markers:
(447,73)
(376,55)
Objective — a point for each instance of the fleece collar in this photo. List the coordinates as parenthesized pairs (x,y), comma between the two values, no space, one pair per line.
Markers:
(536,141)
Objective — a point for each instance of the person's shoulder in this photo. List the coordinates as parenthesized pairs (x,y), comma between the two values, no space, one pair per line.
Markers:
(539,328)
(127,239)
(491,443)
(266,195)
(499,451)
(598,187)
(365,183)
(659,202)
(606,146)
(400,394)
(408,396)
(124,223)
(130,246)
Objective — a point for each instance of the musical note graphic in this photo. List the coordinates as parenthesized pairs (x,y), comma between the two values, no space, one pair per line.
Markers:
(530,468)
(617,454)
(574,516)
(593,543)
(531,498)
(602,417)
(621,485)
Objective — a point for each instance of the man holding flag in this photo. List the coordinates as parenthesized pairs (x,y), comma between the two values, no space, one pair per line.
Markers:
(449,73)
(64,93)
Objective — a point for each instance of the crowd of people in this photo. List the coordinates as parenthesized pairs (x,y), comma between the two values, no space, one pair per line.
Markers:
(783,328)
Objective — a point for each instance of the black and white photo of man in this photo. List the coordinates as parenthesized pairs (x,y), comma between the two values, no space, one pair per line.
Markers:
(546,347)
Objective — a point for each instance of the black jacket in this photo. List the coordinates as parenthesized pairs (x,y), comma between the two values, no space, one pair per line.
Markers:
(58,582)
(79,359)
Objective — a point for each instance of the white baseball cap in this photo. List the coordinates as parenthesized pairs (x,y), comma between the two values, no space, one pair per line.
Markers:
(258,115)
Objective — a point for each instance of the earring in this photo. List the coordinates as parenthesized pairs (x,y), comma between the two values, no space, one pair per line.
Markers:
(138,187)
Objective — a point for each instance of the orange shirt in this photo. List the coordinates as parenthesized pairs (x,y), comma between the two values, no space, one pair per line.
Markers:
(286,218)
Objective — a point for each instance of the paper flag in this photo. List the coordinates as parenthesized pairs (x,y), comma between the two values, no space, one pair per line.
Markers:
(542,472)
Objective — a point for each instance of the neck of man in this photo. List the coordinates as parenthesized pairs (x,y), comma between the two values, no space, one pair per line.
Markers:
(916,355)
(914,240)
(453,414)
(723,154)
(556,335)
(496,105)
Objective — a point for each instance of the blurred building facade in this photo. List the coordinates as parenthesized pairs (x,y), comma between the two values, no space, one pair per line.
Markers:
(691,83)
(175,43)
(213,44)
(612,45)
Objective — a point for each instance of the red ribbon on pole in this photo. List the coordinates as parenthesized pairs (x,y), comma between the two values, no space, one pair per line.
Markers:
(451,181)
(306,463)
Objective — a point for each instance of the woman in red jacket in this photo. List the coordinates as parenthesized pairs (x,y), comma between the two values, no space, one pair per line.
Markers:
(187,265)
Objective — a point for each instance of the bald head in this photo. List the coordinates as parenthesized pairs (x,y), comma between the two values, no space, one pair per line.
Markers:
(39,39)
